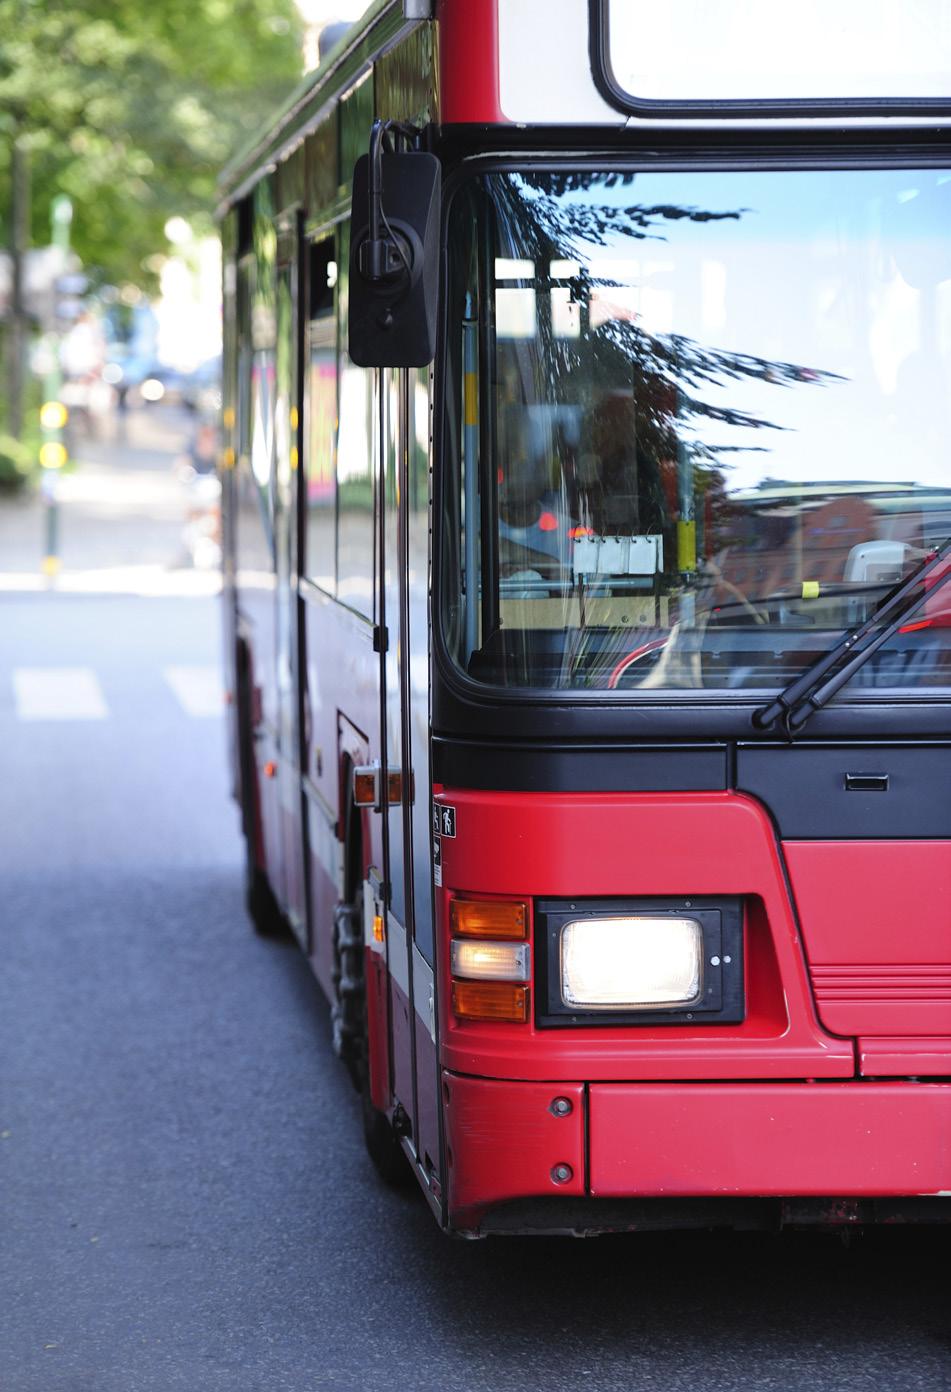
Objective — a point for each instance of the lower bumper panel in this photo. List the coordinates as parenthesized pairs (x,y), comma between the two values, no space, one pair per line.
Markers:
(609,1156)
(862,1140)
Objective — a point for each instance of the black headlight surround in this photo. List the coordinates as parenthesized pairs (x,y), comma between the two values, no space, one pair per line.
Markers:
(721,924)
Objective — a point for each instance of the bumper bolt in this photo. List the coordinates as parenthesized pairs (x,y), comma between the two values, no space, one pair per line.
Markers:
(561,1173)
(561,1106)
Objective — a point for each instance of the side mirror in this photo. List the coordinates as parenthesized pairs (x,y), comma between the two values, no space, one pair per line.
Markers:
(394,259)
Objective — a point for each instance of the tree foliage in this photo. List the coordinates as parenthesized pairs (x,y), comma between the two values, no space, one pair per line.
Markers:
(131,107)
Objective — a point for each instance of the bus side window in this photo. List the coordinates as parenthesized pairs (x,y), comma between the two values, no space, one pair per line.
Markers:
(320,562)
(354,459)
(256,330)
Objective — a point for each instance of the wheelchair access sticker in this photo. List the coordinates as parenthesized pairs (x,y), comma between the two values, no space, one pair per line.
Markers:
(444,824)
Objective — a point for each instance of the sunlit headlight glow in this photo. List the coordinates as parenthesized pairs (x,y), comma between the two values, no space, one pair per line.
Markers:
(631,963)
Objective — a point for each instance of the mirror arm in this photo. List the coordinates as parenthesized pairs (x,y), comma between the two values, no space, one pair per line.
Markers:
(373,253)
(381,256)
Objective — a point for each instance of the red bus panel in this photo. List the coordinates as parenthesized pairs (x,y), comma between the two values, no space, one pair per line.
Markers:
(586,845)
(469,61)
(862,1139)
(508,1140)
(876,920)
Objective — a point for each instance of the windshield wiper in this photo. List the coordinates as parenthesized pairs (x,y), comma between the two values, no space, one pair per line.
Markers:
(809,692)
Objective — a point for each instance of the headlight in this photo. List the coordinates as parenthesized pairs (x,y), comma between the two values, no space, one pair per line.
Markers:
(644,962)
(631,963)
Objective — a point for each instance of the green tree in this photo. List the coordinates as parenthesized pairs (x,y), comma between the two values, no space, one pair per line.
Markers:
(131,107)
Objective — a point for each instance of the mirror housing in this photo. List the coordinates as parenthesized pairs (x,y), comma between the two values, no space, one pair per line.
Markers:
(394,277)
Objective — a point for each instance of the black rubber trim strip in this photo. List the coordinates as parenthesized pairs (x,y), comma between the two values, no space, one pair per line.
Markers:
(581,768)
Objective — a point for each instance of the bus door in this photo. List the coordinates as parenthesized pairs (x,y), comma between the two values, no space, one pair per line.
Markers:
(317,567)
(290,885)
(405,725)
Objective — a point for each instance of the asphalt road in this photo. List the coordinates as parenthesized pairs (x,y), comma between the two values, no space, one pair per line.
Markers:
(184,1198)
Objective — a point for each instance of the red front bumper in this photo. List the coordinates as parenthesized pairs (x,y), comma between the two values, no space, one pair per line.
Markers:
(506,1141)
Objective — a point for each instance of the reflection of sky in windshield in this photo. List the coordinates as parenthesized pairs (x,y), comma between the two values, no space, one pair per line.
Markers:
(843,272)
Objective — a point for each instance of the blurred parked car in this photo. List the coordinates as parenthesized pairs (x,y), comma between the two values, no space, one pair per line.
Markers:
(196,468)
(197,389)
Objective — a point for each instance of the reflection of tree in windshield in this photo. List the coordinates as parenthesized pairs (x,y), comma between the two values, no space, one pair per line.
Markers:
(538,218)
(646,397)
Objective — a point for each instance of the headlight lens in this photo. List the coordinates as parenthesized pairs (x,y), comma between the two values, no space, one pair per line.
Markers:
(631,963)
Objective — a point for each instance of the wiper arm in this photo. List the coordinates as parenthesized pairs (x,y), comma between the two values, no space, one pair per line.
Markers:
(809,693)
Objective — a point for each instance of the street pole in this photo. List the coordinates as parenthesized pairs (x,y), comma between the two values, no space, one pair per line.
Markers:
(53,453)
(19,240)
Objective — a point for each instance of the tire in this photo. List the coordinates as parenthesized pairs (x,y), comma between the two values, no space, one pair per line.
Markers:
(351,1034)
(262,907)
(383,1145)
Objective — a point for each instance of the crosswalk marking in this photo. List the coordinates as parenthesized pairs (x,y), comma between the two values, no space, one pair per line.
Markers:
(198,689)
(58,693)
(74,693)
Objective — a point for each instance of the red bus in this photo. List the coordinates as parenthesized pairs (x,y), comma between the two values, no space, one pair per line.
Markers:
(586,504)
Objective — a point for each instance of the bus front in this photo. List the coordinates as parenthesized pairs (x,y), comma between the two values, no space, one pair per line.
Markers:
(694,924)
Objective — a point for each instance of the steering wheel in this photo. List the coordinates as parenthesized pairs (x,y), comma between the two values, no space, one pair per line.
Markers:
(629,659)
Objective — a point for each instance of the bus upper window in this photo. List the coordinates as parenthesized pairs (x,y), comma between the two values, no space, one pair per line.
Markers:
(709,433)
(811,51)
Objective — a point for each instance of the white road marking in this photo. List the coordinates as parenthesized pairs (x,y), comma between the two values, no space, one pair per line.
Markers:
(198,690)
(58,693)
(147,580)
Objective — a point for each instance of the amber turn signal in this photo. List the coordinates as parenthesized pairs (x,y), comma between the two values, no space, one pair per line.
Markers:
(366,785)
(488,918)
(489,1000)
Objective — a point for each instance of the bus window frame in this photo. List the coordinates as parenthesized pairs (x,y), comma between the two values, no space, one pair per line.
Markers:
(615,95)
(863,713)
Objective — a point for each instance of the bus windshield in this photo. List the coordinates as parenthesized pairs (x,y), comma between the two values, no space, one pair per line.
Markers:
(697,424)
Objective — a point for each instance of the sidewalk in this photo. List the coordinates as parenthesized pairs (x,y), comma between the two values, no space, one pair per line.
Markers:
(123,515)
